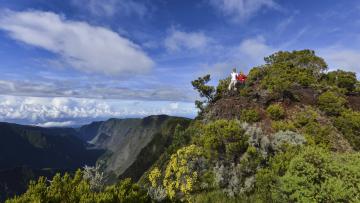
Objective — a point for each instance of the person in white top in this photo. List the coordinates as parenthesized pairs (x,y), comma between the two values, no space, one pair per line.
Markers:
(233,80)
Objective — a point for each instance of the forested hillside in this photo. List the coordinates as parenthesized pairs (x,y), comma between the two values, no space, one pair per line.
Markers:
(291,133)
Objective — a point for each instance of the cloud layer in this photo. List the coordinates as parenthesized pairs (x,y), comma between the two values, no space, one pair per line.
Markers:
(93,90)
(60,111)
(82,46)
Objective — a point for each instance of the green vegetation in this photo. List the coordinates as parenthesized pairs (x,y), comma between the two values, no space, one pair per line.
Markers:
(331,103)
(343,79)
(276,111)
(250,115)
(78,189)
(349,124)
(303,147)
(310,175)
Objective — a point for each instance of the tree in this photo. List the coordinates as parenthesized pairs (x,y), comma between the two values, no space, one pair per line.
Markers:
(206,91)
(343,79)
(304,59)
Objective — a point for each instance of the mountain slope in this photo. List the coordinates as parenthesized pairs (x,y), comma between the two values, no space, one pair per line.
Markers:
(37,147)
(133,144)
(88,132)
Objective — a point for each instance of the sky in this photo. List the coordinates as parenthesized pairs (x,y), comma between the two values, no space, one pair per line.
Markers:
(70,62)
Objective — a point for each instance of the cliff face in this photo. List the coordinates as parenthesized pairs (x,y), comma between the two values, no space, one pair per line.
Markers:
(125,139)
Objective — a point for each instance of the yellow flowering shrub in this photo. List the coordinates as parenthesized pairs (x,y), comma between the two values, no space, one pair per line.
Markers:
(182,171)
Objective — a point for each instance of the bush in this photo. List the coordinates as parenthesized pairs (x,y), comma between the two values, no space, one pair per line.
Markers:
(282,126)
(304,117)
(316,175)
(331,103)
(343,79)
(287,137)
(183,171)
(349,124)
(250,115)
(77,189)
(255,74)
(275,111)
(304,59)
(310,175)
(224,138)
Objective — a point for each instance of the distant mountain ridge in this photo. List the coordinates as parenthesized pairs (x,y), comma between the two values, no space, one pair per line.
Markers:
(38,147)
(117,144)
(124,140)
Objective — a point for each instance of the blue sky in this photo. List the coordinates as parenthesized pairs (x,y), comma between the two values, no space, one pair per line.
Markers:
(71,62)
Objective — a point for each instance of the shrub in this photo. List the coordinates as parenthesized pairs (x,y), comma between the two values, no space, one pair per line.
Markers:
(319,133)
(304,117)
(287,137)
(349,124)
(183,171)
(257,138)
(331,103)
(255,74)
(250,115)
(77,189)
(95,177)
(275,111)
(222,88)
(343,79)
(315,175)
(310,174)
(282,126)
(303,59)
(224,138)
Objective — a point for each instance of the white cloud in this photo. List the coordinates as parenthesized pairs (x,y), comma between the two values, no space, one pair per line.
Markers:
(85,47)
(107,90)
(111,7)
(242,10)
(56,124)
(247,54)
(341,58)
(71,111)
(178,40)
(254,50)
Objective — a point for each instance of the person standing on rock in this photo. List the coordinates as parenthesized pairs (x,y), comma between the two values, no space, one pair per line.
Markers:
(233,80)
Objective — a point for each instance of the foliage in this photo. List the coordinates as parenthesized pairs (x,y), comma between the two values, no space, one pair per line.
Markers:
(282,126)
(94,177)
(255,74)
(276,111)
(183,171)
(267,179)
(238,179)
(154,177)
(69,189)
(287,137)
(303,118)
(222,87)
(343,79)
(331,103)
(285,70)
(206,91)
(250,115)
(310,175)
(349,124)
(223,137)
(316,175)
(304,59)
(257,138)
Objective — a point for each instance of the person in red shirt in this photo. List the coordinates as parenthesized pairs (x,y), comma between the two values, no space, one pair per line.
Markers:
(241,78)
